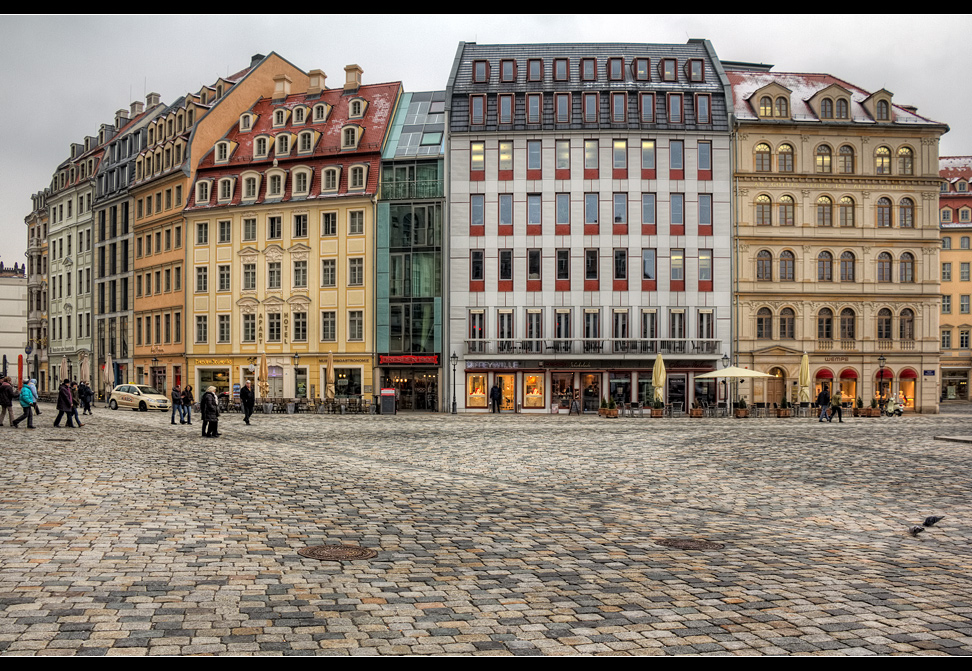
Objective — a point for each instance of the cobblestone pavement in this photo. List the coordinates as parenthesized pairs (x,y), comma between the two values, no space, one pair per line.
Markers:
(496,535)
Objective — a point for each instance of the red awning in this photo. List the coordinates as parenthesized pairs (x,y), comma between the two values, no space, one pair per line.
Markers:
(824,374)
(848,374)
(907,373)
(887,374)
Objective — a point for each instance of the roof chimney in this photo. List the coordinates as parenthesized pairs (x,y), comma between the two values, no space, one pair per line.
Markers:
(281,87)
(352,77)
(121,116)
(137,108)
(152,99)
(317,79)
(256,58)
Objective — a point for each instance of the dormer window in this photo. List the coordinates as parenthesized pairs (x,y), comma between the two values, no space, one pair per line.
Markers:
(246,122)
(696,70)
(329,179)
(225,190)
(640,68)
(302,179)
(766,106)
(826,108)
(282,144)
(250,186)
(508,70)
(961,186)
(782,107)
(669,69)
(356,109)
(275,184)
(222,152)
(480,71)
(305,142)
(561,69)
(883,110)
(535,70)
(300,115)
(357,178)
(349,137)
(843,108)
(320,113)
(202,193)
(260,147)
(615,69)
(279,118)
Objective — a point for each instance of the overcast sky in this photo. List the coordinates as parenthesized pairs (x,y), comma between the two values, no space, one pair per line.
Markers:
(64,76)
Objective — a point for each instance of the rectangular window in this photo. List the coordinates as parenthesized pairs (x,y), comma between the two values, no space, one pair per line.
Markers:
(705,212)
(476,269)
(590,108)
(560,69)
(562,157)
(562,107)
(563,264)
(477,110)
(224,277)
(964,270)
(505,108)
(273,327)
(590,209)
(202,328)
(647,107)
(590,154)
(964,304)
(533,264)
(946,305)
(620,264)
(946,272)
(705,156)
(533,155)
(946,340)
(705,265)
(274,228)
(590,264)
(677,205)
(676,156)
(533,213)
(563,209)
(505,265)
(249,328)
(675,108)
(328,224)
(329,272)
(619,107)
(703,113)
(300,225)
(223,334)
(355,325)
(300,274)
(328,326)
(225,233)
(202,236)
(477,160)
(647,154)
(506,213)
(249,277)
(678,265)
(356,272)
(273,275)
(300,326)
(506,159)
(620,155)
(477,216)
(648,209)
(534,107)
(534,70)
(202,279)
(647,264)
(356,222)
(620,209)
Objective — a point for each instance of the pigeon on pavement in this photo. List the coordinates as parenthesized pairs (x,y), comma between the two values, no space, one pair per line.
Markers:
(931,520)
(915,530)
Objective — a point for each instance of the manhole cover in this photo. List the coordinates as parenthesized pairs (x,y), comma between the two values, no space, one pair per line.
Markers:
(337,552)
(689,544)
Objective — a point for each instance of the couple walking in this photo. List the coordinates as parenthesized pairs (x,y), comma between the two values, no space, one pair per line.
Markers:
(182,401)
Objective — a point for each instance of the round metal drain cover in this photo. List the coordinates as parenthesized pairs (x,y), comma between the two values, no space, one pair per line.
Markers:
(689,544)
(336,552)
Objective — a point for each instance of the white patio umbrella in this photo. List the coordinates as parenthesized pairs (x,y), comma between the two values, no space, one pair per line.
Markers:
(804,379)
(733,372)
(658,376)
(63,373)
(329,391)
(109,376)
(84,374)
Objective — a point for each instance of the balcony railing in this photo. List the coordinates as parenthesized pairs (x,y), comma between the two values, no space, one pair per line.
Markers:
(419,189)
(553,347)
(849,345)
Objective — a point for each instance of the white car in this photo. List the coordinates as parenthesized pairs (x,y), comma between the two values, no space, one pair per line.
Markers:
(138,397)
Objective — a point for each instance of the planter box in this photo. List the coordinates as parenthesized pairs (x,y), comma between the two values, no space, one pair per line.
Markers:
(607,412)
(783,412)
(657,412)
(740,413)
(695,412)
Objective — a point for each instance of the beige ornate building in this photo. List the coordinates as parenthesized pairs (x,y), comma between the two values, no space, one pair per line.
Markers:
(955,215)
(836,240)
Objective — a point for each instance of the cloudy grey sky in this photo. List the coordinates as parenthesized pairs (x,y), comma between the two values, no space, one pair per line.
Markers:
(63,76)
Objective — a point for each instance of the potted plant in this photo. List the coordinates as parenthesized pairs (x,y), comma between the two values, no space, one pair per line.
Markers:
(603,407)
(695,410)
(612,409)
(858,407)
(784,409)
(657,408)
(741,409)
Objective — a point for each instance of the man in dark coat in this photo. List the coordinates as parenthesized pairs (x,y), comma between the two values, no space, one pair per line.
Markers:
(7,393)
(209,409)
(177,405)
(65,404)
(246,399)
(495,395)
(823,400)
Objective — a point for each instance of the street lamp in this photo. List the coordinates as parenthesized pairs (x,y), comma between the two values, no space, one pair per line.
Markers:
(296,358)
(881,362)
(455,360)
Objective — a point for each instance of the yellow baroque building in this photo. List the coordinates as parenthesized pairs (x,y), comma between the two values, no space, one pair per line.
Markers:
(836,241)
(280,258)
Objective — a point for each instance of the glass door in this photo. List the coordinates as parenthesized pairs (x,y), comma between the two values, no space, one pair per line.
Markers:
(507,386)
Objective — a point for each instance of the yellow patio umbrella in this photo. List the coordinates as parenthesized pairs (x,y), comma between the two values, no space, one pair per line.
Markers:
(264,377)
(804,379)
(329,392)
(658,378)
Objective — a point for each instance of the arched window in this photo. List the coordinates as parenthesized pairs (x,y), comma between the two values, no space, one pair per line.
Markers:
(884,267)
(782,107)
(357,179)
(283,144)
(784,158)
(349,137)
(847,263)
(842,109)
(884,324)
(786,211)
(763,160)
(848,320)
(883,110)
(906,325)
(882,161)
(826,108)
(906,164)
(906,213)
(825,211)
(787,263)
(847,212)
(845,160)
(884,213)
(825,324)
(764,211)
(823,159)
(787,324)
(330,179)
(765,106)
(825,267)
(764,323)
(906,268)
(764,266)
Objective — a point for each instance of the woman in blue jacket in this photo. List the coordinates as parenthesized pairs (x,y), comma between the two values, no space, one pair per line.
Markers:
(27,401)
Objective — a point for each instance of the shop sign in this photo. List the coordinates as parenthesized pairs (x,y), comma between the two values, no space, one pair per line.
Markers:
(492,364)
(408,360)
(837,359)
(214,362)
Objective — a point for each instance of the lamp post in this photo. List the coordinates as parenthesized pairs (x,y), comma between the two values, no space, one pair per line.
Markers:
(881,361)
(455,360)
(296,358)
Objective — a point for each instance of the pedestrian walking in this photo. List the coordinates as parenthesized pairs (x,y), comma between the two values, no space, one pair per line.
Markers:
(823,400)
(209,409)
(87,395)
(33,390)
(247,399)
(177,405)
(64,404)
(495,395)
(187,401)
(75,403)
(835,409)
(27,401)
(7,394)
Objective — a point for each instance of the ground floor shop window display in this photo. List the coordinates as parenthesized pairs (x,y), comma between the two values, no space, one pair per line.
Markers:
(620,387)
(214,377)
(705,390)
(347,381)
(906,385)
(476,389)
(533,390)
(562,388)
(646,390)
(955,385)
(507,385)
(591,391)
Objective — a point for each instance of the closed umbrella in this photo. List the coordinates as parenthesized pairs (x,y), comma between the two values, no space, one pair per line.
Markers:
(804,379)
(109,376)
(658,379)
(329,393)
(64,368)
(264,377)
(84,375)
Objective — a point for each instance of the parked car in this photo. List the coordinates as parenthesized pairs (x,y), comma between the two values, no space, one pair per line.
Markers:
(138,397)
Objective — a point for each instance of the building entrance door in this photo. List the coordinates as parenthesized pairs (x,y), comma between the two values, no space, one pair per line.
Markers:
(507,384)
(417,388)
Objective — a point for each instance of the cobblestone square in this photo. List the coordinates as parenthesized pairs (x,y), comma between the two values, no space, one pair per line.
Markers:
(496,535)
